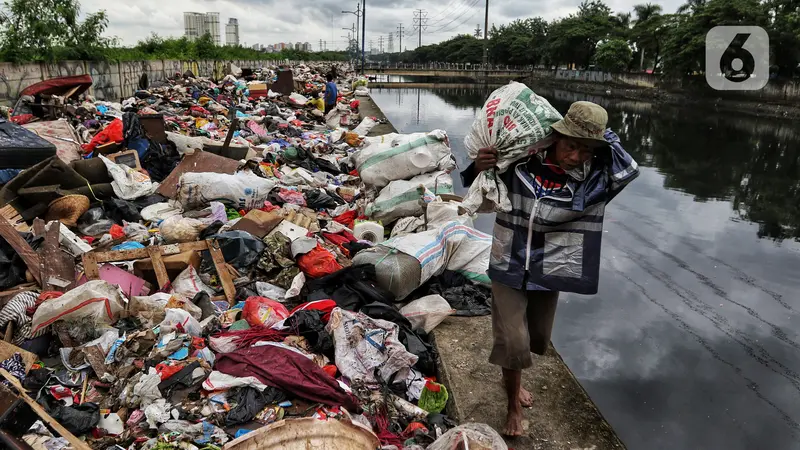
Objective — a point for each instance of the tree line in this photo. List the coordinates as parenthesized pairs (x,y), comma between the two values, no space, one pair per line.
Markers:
(646,38)
(52,30)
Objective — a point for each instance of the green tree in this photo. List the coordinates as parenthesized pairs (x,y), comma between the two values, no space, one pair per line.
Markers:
(574,38)
(648,32)
(784,35)
(613,55)
(46,30)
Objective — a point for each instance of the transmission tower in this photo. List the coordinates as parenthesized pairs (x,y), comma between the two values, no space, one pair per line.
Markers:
(420,22)
(400,35)
(390,45)
(478,31)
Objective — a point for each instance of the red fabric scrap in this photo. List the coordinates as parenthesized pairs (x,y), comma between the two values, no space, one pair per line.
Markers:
(318,262)
(116,231)
(289,371)
(347,218)
(331,370)
(22,119)
(325,306)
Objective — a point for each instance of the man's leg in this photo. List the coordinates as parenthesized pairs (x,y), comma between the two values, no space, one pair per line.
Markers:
(511,348)
(541,313)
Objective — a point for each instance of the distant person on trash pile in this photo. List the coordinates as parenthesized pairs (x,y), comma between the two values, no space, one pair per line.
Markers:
(331,92)
(550,241)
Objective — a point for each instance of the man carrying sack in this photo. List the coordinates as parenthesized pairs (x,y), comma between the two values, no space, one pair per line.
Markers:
(549,241)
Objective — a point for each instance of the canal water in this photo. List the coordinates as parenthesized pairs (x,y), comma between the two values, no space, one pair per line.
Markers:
(692,341)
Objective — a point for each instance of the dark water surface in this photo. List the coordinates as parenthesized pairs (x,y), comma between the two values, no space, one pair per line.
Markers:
(693,339)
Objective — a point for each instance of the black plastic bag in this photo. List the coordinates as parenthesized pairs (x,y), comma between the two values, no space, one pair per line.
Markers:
(240,248)
(120,210)
(12,268)
(351,288)
(309,324)
(77,419)
(466,298)
(249,402)
(160,160)
(316,199)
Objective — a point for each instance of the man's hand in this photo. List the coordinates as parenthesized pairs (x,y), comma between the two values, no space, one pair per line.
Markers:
(487,159)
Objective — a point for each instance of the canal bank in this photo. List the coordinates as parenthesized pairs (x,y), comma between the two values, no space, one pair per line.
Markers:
(562,417)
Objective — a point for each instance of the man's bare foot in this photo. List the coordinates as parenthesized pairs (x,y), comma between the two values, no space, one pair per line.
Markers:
(525,397)
(513,423)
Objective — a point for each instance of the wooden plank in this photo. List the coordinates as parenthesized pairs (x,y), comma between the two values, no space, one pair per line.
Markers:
(57,267)
(22,248)
(158,267)
(9,332)
(90,267)
(38,227)
(76,443)
(224,276)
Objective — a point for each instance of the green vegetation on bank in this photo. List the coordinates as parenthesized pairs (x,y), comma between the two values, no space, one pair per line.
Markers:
(51,30)
(646,38)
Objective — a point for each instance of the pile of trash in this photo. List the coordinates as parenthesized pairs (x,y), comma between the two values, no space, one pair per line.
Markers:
(207,260)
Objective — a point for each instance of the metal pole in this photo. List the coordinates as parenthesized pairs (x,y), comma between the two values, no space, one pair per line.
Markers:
(363,33)
(486,37)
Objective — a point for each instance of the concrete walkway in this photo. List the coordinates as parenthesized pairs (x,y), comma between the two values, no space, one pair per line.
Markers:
(563,416)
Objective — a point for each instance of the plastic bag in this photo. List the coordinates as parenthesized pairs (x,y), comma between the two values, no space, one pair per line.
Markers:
(427,312)
(395,271)
(402,156)
(318,263)
(365,126)
(249,402)
(516,122)
(129,183)
(136,232)
(260,311)
(180,320)
(96,299)
(239,248)
(401,198)
(243,190)
(470,435)
(160,211)
(433,397)
(77,419)
(121,210)
(188,283)
(268,290)
(177,229)
(94,222)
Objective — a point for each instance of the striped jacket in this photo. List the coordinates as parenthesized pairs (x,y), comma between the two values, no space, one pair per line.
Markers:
(553,242)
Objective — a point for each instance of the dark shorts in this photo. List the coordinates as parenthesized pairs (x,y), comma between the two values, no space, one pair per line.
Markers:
(329,107)
(522,322)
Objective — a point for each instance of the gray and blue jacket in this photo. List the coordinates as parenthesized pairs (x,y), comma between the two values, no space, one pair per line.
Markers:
(552,242)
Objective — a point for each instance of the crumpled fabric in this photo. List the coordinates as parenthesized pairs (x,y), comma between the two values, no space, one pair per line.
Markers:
(146,391)
(15,366)
(366,347)
(111,133)
(157,412)
(278,253)
(14,311)
(289,371)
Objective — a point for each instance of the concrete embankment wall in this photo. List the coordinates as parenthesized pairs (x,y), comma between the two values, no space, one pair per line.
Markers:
(777,91)
(112,80)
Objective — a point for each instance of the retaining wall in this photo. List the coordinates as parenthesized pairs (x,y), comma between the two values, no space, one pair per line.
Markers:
(112,80)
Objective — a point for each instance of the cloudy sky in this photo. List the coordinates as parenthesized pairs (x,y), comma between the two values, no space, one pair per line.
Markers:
(272,21)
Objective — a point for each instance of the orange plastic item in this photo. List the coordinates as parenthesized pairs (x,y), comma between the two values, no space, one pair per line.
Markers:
(318,263)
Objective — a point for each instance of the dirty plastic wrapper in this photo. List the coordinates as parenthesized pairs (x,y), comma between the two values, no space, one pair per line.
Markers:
(516,122)
(243,190)
(402,156)
(427,312)
(129,183)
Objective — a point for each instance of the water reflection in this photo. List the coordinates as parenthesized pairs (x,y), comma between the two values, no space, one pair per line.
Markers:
(752,162)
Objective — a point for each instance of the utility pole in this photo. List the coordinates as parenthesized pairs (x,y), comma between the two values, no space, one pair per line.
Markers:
(380,40)
(356,13)
(421,21)
(486,38)
(400,35)
(364,33)
(320,45)
(391,43)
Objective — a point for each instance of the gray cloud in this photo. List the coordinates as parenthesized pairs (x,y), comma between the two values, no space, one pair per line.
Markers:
(272,21)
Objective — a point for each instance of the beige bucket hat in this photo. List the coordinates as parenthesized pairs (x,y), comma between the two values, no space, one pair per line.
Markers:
(585,121)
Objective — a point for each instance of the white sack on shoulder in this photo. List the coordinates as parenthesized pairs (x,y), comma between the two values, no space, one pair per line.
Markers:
(516,122)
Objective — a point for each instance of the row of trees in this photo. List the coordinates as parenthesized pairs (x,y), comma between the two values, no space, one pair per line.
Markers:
(52,30)
(646,38)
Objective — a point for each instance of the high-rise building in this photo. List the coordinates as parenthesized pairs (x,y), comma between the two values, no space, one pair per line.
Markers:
(193,25)
(232,32)
(270,48)
(298,46)
(307,47)
(211,25)
(197,24)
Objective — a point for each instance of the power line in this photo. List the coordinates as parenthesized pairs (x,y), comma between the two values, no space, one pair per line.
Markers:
(447,11)
(400,35)
(447,27)
(390,45)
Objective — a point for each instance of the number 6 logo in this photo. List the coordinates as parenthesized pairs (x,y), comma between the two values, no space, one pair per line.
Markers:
(737,58)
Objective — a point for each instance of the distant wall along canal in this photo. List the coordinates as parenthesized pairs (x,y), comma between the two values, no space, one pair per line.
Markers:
(692,341)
